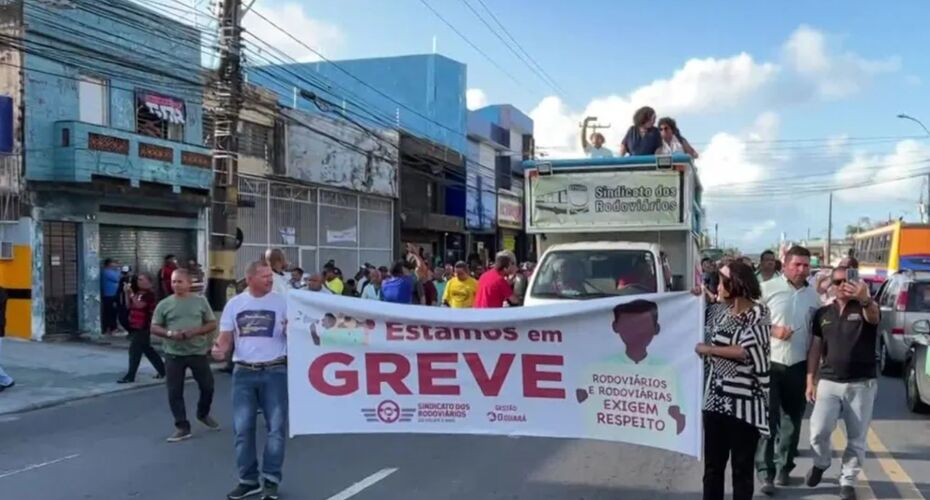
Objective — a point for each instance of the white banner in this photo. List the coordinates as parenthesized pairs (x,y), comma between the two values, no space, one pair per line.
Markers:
(616,369)
(605,199)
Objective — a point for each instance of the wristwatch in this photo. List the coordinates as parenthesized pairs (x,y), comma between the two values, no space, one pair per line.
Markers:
(170,333)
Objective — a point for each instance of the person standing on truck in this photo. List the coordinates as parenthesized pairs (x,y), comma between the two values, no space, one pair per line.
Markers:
(792,302)
(493,286)
(594,149)
(643,137)
(672,141)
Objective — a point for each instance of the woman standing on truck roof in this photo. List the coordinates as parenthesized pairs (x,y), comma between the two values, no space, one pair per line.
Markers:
(643,137)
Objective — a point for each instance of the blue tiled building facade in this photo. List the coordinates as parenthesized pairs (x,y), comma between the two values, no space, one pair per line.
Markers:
(109,137)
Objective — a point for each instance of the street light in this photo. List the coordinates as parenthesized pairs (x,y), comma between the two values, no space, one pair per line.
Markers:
(924,207)
(915,120)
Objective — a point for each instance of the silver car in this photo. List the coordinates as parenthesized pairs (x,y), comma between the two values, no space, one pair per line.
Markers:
(904,300)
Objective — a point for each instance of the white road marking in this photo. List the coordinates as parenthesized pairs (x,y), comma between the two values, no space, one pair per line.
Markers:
(37,466)
(357,488)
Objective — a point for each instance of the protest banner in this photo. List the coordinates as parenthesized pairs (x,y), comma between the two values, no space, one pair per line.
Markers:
(617,369)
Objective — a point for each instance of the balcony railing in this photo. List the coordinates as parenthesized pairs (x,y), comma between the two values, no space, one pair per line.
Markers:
(84,150)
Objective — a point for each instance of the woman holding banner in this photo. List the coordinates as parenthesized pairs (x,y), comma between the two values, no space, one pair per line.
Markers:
(736,393)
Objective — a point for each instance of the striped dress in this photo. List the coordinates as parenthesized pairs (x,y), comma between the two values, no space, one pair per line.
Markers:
(734,388)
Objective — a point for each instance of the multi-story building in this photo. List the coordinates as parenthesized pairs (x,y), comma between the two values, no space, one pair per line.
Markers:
(486,143)
(512,132)
(105,151)
(422,98)
(313,185)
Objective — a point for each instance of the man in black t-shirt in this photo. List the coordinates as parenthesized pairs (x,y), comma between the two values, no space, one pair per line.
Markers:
(843,351)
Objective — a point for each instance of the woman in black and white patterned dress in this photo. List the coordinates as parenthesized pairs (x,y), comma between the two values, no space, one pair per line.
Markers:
(736,394)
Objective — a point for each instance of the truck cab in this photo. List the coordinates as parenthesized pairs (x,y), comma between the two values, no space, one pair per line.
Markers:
(613,226)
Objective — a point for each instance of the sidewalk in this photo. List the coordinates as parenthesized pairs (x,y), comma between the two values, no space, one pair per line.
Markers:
(52,373)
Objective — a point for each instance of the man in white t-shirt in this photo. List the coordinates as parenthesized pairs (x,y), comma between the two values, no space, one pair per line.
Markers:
(254,321)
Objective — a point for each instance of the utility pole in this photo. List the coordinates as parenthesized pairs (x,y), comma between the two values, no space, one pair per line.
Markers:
(829,230)
(924,208)
(227,89)
(716,235)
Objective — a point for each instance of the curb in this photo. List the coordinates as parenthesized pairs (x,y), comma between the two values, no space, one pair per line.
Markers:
(63,401)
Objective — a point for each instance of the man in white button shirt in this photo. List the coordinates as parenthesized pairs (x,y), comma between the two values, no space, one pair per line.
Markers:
(792,303)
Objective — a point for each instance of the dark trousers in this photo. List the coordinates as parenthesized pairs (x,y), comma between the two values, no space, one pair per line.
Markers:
(108,313)
(175,371)
(141,343)
(787,404)
(725,437)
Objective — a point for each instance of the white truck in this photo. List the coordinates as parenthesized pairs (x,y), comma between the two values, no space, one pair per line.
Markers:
(613,226)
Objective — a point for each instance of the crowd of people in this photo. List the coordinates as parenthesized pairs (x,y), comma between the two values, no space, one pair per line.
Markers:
(645,136)
(777,339)
(412,280)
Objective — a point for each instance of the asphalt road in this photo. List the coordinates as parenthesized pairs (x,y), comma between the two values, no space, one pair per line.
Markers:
(113,447)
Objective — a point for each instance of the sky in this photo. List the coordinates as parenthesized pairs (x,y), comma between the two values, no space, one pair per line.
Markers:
(784,100)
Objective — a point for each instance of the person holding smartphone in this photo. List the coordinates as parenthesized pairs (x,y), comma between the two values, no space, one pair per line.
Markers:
(842,373)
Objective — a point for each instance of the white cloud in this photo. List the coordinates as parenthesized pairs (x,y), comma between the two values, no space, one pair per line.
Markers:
(475,99)
(759,231)
(888,177)
(833,72)
(837,145)
(727,159)
(809,67)
(700,85)
(291,17)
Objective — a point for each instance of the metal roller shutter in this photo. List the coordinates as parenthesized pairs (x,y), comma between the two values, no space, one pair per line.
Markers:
(118,242)
(154,244)
(145,248)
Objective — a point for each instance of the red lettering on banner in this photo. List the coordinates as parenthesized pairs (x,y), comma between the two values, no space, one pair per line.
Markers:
(428,374)
(394,331)
(349,378)
(490,385)
(398,370)
(532,376)
(394,379)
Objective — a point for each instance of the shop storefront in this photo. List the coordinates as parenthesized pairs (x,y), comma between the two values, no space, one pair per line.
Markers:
(510,225)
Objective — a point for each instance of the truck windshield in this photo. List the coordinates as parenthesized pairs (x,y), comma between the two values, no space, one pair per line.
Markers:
(587,274)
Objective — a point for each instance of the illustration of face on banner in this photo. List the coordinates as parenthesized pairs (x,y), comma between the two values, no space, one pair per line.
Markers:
(617,369)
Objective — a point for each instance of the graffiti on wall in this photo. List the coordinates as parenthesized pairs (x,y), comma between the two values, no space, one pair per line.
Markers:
(348,158)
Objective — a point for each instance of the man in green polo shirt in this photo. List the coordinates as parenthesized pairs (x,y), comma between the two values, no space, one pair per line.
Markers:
(185,321)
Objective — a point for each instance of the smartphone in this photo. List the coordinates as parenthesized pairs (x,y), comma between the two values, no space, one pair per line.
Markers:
(852,275)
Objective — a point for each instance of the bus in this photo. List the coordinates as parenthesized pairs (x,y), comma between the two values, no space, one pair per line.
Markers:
(899,246)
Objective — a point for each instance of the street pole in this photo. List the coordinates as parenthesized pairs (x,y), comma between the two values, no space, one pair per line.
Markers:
(924,207)
(829,229)
(227,89)
(716,235)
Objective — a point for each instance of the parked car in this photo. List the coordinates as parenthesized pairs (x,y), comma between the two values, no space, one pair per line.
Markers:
(905,301)
(917,370)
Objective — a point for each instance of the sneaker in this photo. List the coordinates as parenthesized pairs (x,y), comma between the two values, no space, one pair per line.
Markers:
(125,380)
(846,493)
(8,386)
(768,487)
(210,423)
(814,476)
(244,491)
(270,491)
(783,478)
(179,435)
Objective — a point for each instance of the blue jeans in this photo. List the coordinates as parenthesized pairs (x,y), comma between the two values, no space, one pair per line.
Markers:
(251,390)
